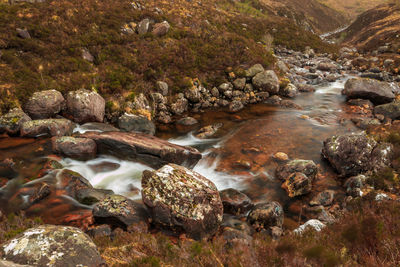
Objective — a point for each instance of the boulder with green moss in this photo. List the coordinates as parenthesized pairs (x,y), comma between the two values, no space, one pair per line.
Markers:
(50,245)
(183,201)
(52,127)
(11,122)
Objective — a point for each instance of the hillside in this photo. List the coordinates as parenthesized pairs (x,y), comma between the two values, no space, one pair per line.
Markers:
(375,28)
(205,38)
(352,8)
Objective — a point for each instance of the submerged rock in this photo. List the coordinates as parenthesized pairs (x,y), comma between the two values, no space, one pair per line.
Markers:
(120,211)
(85,106)
(146,149)
(11,122)
(182,200)
(52,127)
(45,104)
(376,91)
(353,154)
(235,202)
(77,148)
(50,245)
(266,215)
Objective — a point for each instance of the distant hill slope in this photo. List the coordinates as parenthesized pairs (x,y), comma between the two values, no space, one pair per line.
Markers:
(352,8)
(375,28)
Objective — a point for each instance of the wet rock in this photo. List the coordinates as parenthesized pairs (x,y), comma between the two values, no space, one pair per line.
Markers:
(50,245)
(235,106)
(161,29)
(266,215)
(85,106)
(119,211)
(274,100)
(182,201)
(353,154)
(289,104)
(45,104)
(324,198)
(76,148)
(188,121)
(307,167)
(316,225)
(254,70)
(34,193)
(97,127)
(354,184)
(376,91)
(306,88)
(297,184)
(208,131)
(235,202)
(266,81)
(136,123)
(162,88)
(8,168)
(72,182)
(90,196)
(390,110)
(281,156)
(52,127)
(143,148)
(289,91)
(11,122)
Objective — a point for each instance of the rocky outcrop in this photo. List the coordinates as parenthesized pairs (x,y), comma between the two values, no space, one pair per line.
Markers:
(183,201)
(50,245)
(136,123)
(52,127)
(353,154)
(120,211)
(376,91)
(11,122)
(85,106)
(298,176)
(77,148)
(143,148)
(45,104)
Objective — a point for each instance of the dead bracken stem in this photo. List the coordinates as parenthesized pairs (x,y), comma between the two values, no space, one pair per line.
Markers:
(216,258)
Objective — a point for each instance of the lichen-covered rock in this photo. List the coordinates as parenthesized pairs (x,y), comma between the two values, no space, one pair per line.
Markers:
(235,202)
(73,147)
(85,106)
(90,196)
(266,81)
(235,106)
(353,154)
(136,123)
(254,70)
(266,215)
(147,149)
(120,211)
(179,106)
(52,127)
(390,110)
(50,245)
(376,91)
(298,176)
(45,104)
(182,200)
(11,122)
(324,198)
(355,184)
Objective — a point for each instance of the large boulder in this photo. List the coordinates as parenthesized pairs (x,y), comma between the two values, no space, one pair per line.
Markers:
(45,104)
(297,176)
(390,110)
(376,91)
(77,148)
(183,201)
(352,154)
(85,106)
(120,211)
(136,123)
(266,81)
(50,245)
(161,29)
(143,148)
(52,127)
(11,122)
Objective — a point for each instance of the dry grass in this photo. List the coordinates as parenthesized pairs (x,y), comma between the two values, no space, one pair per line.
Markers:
(352,8)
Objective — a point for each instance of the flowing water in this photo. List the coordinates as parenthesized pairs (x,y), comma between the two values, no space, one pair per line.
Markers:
(240,156)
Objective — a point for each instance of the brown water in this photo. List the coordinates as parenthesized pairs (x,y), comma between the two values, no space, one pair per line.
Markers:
(249,137)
